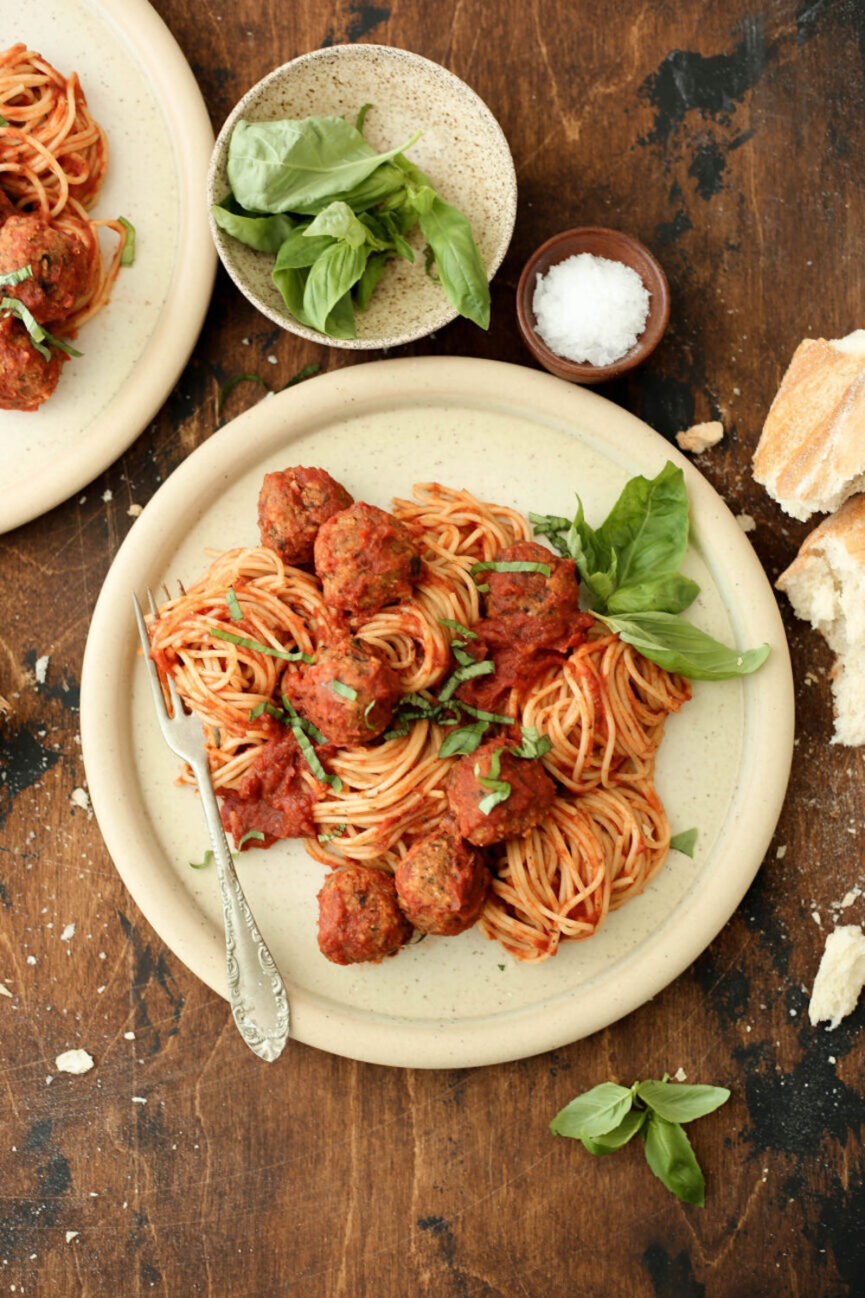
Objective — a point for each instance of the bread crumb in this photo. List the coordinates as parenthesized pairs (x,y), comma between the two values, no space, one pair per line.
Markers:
(70,1235)
(134,510)
(139,1099)
(74,1061)
(129,1036)
(746,522)
(815,915)
(849,898)
(107,495)
(840,977)
(40,671)
(68,932)
(680,1074)
(4,991)
(781,852)
(700,437)
(80,798)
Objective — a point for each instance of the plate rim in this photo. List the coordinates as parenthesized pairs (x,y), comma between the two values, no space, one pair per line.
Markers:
(221,241)
(180,321)
(767,749)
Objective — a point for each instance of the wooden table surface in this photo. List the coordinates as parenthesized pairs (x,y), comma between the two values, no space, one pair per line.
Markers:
(730,139)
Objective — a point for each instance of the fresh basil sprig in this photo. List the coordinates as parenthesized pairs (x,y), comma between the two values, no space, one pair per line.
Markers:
(334,212)
(608,1116)
(630,567)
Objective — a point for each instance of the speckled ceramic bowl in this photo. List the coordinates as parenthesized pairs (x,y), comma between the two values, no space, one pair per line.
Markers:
(462,149)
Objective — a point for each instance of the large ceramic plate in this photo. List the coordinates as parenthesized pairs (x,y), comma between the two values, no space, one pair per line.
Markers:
(524,439)
(140,87)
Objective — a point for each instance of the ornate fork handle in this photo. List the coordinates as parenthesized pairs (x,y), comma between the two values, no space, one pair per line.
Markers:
(256,991)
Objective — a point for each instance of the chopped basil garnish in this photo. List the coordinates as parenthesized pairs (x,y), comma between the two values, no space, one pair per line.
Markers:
(494,717)
(306,372)
(202,865)
(233,607)
(366,721)
(460,743)
(684,842)
(228,388)
(313,731)
(450,686)
(464,659)
(510,565)
(250,833)
(16,276)
(289,656)
(347,691)
(458,626)
(399,732)
(38,334)
(534,744)
(127,257)
(332,833)
(305,744)
(500,790)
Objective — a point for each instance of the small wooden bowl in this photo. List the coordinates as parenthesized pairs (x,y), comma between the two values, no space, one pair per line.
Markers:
(616,246)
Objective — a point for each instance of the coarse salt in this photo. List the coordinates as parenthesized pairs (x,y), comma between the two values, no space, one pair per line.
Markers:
(590,309)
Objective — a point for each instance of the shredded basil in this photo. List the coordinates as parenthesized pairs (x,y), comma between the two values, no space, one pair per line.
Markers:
(228,388)
(534,744)
(313,731)
(305,744)
(3,121)
(483,668)
(202,865)
(684,842)
(398,733)
(361,117)
(233,607)
(38,334)
(458,626)
(332,833)
(366,721)
(494,717)
(346,691)
(250,833)
(127,257)
(460,743)
(17,276)
(510,565)
(307,372)
(289,656)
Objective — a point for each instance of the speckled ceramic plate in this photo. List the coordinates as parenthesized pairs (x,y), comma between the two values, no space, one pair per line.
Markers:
(527,440)
(463,150)
(140,87)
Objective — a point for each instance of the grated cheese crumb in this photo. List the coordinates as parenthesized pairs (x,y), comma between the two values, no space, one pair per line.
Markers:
(41,669)
(74,1061)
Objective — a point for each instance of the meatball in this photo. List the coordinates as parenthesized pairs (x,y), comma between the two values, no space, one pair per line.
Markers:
(61,263)
(552,603)
(292,506)
(442,883)
(365,559)
(530,798)
(6,207)
(26,378)
(358,916)
(349,693)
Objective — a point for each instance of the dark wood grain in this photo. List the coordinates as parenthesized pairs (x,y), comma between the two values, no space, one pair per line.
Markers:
(729,139)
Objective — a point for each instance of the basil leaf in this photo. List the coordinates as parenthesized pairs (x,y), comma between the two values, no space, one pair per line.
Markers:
(465,740)
(286,165)
(666,593)
(330,279)
(35,330)
(671,1158)
(291,283)
(429,260)
(458,626)
(484,668)
(593,1113)
(372,273)
(264,233)
(17,276)
(479,715)
(610,1141)
(250,833)
(127,257)
(299,250)
(347,691)
(336,832)
(228,388)
(289,655)
(684,842)
(338,221)
(548,524)
(305,372)
(461,271)
(679,1102)
(381,185)
(361,117)
(534,744)
(596,561)
(647,528)
(203,864)
(233,607)
(510,565)
(679,646)
(501,791)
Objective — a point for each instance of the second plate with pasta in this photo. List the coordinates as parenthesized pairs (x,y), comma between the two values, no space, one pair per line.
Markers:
(526,442)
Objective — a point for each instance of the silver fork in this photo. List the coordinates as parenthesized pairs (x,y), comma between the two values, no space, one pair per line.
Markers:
(256,991)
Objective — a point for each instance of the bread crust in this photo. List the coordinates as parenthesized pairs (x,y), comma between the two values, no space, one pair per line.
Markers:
(811,453)
(847,526)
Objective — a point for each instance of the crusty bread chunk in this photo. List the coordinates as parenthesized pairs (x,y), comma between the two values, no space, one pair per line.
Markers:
(825,583)
(840,978)
(699,437)
(811,453)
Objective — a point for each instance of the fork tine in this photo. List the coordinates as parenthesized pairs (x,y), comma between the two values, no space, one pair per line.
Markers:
(151,601)
(153,674)
(177,708)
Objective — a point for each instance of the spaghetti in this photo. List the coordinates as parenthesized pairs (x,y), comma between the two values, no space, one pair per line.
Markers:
(53,158)
(601,705)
